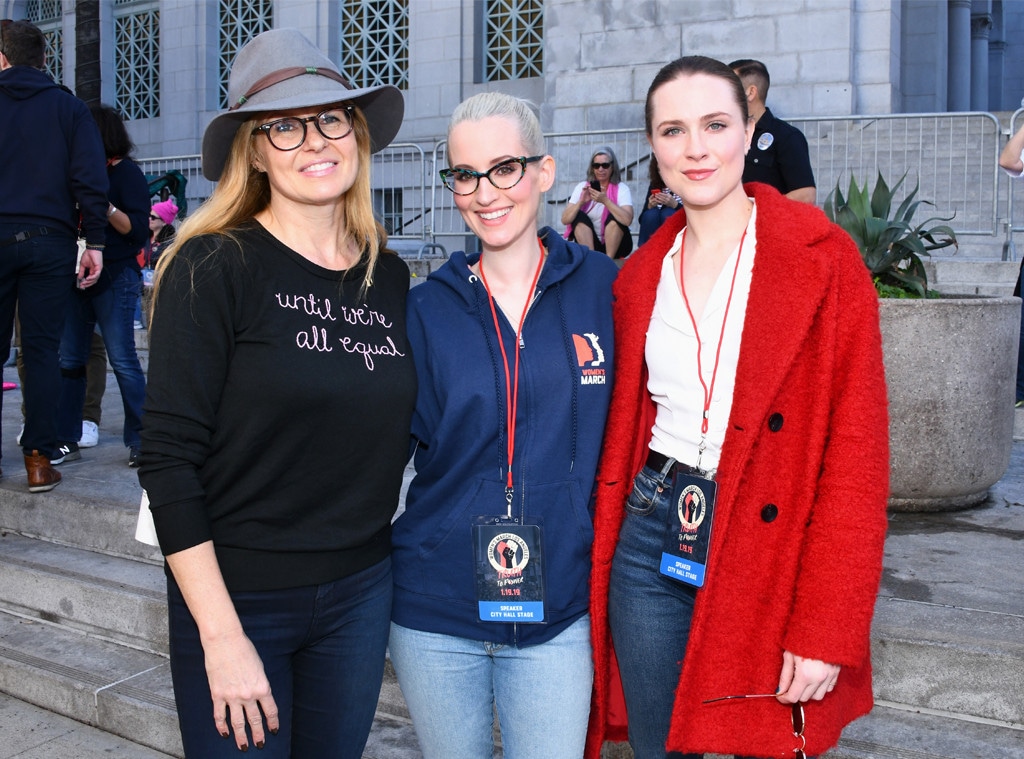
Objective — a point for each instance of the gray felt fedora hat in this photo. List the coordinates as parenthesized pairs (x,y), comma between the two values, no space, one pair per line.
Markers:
(281,69)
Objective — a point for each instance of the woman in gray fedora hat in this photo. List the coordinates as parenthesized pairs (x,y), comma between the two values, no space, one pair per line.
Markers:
(277,415)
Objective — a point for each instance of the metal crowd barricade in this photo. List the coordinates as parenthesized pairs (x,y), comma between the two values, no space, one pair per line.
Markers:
(572,152)
(399,181)
(1014,222)
(951,156)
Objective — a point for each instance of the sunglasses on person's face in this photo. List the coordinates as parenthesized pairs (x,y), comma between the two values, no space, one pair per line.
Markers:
(154,217)
(599,165)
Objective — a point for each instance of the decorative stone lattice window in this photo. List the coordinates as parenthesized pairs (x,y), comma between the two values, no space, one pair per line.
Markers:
(46,15)
(375,42)
(240,21)
(137,61)
(512,40)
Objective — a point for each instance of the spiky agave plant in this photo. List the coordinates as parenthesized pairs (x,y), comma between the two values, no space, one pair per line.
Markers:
(889,243)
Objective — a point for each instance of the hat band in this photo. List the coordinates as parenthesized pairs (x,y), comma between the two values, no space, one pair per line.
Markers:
(282,75)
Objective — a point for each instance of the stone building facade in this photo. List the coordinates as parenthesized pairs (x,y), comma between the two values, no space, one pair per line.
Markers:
(589,65)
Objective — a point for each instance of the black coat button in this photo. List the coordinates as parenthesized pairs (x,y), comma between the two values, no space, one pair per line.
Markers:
(775,422)
(769,512)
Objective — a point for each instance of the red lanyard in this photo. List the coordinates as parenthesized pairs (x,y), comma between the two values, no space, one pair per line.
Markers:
(708,391)
(511,399)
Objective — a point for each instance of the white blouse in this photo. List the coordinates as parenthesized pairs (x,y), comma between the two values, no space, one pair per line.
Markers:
(671,354)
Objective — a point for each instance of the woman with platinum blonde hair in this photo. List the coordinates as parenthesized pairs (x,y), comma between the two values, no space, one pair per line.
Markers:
(512,346)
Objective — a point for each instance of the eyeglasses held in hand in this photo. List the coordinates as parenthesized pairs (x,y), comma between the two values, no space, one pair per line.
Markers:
(504,175)
(797,715)
(601,165)
(290,132)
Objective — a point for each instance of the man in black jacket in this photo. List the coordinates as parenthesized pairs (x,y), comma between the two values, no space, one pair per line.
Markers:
(51,160)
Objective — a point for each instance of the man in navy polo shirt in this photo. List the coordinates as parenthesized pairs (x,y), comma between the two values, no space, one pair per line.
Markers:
(778,152)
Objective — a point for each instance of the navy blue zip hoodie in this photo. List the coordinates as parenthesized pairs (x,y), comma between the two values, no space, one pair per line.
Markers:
(460,435)
(51,157)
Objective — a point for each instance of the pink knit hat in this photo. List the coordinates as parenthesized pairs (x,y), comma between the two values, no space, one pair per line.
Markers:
(166,210)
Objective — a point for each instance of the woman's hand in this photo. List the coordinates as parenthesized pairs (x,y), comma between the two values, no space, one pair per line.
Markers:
(805,679)
(240,690)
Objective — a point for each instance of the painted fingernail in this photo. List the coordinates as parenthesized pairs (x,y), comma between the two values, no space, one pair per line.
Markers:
(225,735)
(273,730)
(244,748)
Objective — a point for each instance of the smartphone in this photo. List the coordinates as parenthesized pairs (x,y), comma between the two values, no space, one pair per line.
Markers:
(595,185)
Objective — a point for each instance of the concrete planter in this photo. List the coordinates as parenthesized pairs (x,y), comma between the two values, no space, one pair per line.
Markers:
(950,366)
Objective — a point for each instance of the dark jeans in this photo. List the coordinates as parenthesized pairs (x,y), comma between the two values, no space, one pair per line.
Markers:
(625,246)
(649,616)
(37,275)
(322,648)
(651,219)
(113,310)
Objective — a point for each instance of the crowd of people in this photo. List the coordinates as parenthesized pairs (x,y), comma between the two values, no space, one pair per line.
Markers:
(631,511)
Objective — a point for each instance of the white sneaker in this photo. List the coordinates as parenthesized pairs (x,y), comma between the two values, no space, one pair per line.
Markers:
(20,433)
(90,434)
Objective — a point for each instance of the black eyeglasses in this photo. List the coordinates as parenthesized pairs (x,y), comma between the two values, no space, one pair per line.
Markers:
(796,715)
(290,132)
(601,164)
(504,175)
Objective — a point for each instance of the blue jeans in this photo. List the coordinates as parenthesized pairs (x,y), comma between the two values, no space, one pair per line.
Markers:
(451,685)
(113,310)
(323,649)
(649,617)
(37,275)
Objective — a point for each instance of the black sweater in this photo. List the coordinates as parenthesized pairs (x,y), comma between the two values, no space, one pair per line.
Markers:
(277,410)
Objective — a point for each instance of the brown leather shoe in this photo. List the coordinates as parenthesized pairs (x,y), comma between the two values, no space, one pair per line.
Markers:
(41,476)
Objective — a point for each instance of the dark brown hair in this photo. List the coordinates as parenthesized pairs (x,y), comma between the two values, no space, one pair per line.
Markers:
(753,72)
(23,43)
(695,64)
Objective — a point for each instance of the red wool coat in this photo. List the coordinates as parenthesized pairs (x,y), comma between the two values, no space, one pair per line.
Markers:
(808,433)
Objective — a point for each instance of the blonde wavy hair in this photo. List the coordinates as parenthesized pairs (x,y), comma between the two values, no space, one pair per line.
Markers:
(243,192)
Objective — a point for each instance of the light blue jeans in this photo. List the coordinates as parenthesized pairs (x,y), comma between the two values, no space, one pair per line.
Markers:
(542,693)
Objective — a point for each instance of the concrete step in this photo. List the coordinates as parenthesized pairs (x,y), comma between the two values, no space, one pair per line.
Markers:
(95,506)
(30,732)
(961,276)
(128,692)
(107,596)
(891,733)
(121,690)
(961,661)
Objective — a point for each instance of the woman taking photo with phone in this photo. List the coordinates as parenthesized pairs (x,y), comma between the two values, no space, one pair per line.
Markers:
(741,500)
(600,209)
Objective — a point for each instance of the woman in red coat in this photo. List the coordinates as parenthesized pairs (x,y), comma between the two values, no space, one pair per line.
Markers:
(741,496)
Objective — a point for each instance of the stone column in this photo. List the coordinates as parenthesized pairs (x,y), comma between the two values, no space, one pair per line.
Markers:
(981,28)
(959,62)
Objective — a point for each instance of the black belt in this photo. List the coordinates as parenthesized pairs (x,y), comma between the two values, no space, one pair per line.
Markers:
(658,461)
(22,236)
